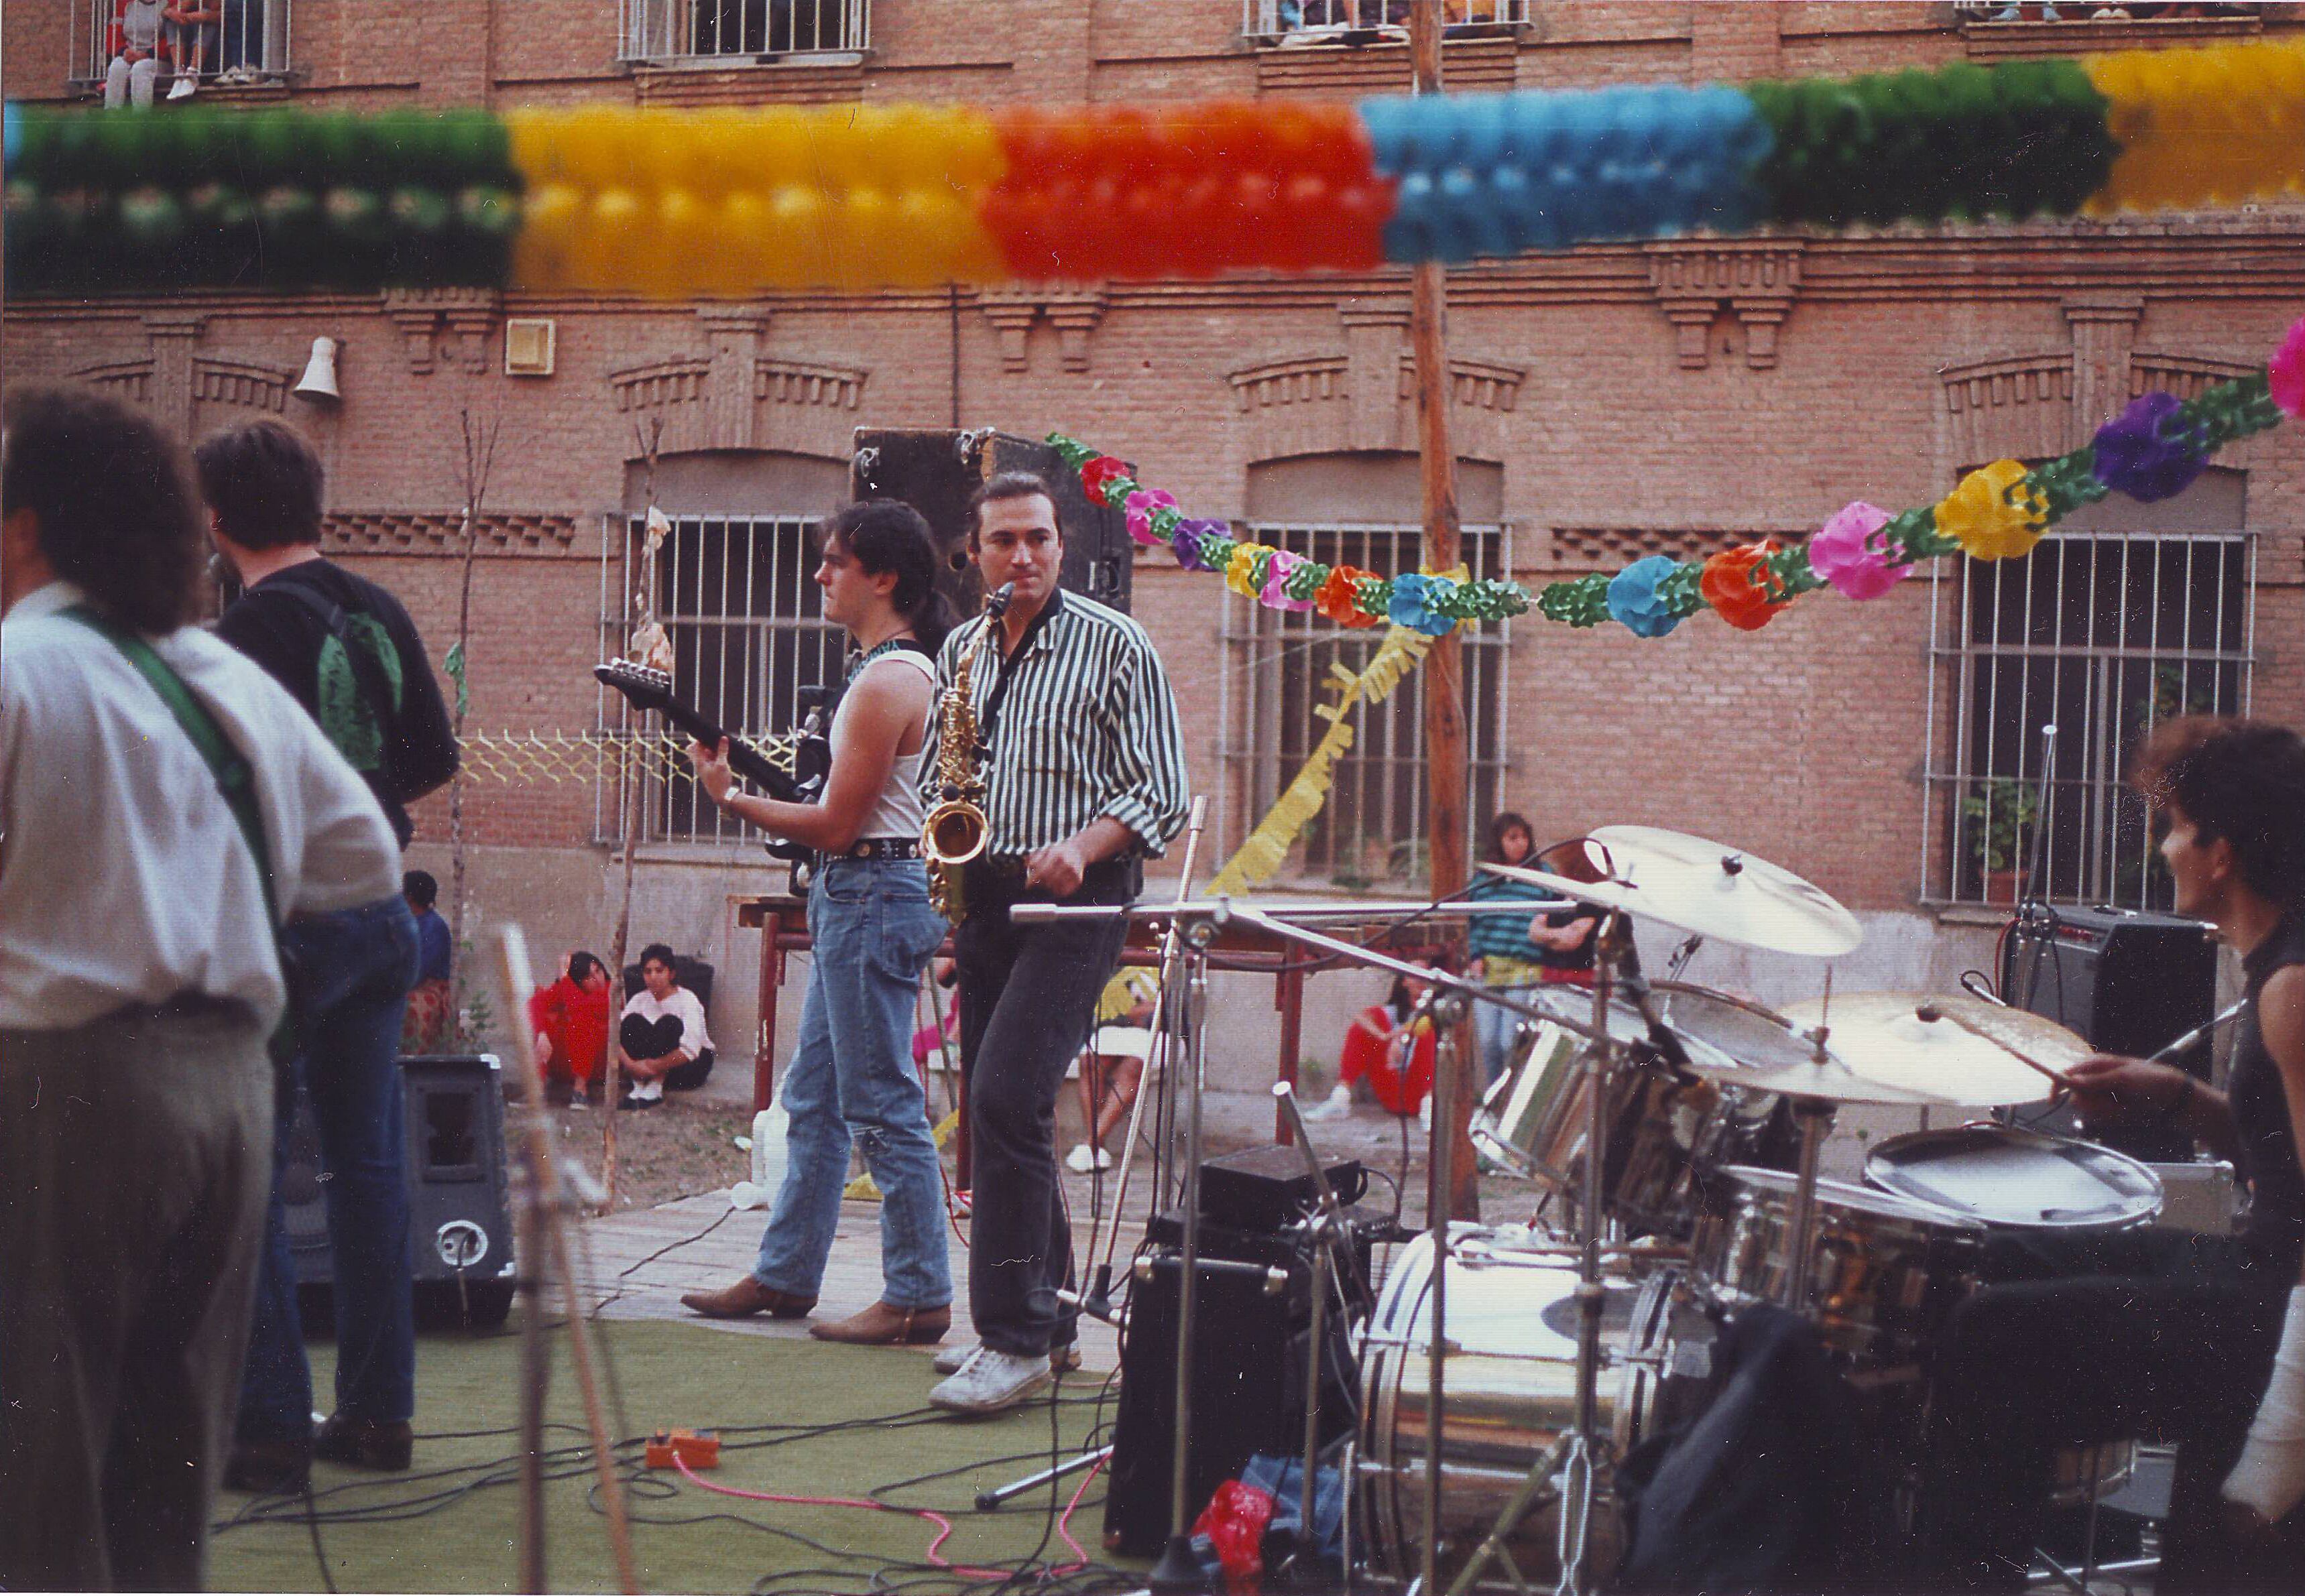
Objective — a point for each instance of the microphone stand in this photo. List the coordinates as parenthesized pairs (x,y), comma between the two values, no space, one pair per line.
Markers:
(1179,1569)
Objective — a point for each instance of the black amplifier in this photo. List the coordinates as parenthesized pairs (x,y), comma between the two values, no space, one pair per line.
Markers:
(1268,1188)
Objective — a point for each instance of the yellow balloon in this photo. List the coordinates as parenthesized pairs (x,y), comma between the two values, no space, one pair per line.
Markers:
(550,216)
(798,243)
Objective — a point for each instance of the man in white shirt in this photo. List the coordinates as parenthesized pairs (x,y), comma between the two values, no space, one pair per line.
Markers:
(139,981)
(662,1033)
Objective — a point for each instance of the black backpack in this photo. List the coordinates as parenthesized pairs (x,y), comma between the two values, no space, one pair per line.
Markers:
(414,754)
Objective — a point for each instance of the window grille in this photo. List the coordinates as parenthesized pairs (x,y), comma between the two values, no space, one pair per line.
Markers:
(1276,666)
(737,32)
(246,42)
(737,598)
(1308,22)
(2104,636)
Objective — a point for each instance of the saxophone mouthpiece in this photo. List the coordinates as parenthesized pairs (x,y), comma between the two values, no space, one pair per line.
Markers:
(996,602)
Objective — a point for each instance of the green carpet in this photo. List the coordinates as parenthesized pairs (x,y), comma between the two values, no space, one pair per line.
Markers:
(452,1523)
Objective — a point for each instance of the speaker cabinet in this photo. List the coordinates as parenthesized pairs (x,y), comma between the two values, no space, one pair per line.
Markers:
(460,1233)
(937,471)
(2130,982)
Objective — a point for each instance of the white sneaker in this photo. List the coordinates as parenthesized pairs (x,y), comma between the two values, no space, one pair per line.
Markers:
(1079,1160)
(183,87)
(1103,1158)
(990,1381)
(1425,1113)
(949,1359)
(1335,1106)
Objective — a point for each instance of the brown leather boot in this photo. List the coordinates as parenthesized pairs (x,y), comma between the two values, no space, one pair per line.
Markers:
(748,1296)
(885,1325)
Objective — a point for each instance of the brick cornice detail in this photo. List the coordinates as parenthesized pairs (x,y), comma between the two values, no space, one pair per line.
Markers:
(129,380)
(1608,547)
(241,383)
(508,533)
(798,82)
(1476,384)
(429,318)
(1756,280)
(2018,408)
(2182,375)
(1312,379)
(1012,311)
(660,383)
(1329,403)
(2001,41)
(790,382)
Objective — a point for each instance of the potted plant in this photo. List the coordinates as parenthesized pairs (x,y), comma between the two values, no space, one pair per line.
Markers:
(2000,823)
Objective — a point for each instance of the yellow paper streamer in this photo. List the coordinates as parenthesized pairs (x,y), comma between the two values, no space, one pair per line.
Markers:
(2214,126)
(1262,853)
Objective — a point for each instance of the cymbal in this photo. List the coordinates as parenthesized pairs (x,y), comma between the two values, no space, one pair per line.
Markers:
(1830,1079)
(1884,1039)
(1704,887)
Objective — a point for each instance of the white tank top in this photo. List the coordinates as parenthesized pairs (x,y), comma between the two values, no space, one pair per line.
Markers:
(897,811)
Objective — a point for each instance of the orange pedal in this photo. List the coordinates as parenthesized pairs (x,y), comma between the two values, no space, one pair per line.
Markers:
(698,1448)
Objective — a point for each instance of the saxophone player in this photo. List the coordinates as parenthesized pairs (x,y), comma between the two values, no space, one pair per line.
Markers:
(1083,775)
(851,1078)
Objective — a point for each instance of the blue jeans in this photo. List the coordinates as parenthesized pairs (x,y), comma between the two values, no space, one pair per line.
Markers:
(851,1079)
(356,965)
(1495,1025)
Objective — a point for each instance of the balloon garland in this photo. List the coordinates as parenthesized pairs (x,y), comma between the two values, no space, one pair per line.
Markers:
(726,201)
(2153,450)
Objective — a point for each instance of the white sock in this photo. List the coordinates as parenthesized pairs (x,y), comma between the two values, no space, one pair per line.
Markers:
(2270,1476)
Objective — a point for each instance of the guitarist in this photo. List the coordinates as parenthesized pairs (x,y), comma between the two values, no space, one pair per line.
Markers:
(851,1079)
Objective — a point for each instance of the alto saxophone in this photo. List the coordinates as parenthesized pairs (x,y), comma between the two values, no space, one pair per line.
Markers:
(955,831)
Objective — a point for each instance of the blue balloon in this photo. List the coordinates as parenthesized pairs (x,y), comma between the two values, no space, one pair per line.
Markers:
(12,133)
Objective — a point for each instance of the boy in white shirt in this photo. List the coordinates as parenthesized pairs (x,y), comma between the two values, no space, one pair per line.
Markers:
(662,1033)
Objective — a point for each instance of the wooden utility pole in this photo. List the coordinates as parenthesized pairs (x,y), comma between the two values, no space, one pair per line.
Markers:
(1444,666)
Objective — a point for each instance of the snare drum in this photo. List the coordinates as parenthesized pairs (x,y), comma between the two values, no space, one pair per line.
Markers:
(1509,1389)
(1884,1272)
(2017,1180)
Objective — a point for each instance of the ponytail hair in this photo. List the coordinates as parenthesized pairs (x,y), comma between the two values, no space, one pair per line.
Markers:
(888,537)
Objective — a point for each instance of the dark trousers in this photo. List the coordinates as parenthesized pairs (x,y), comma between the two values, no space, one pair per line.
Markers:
(135,1156)
(1027,997)
(2148,1334)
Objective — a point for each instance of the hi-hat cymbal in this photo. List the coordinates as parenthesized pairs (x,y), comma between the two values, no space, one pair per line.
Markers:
(1708,889)
(1885,1037)
(1829,1078)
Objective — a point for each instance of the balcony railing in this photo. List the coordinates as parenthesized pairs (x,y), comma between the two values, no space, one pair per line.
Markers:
(743,32)
(226,42)
(1353,21)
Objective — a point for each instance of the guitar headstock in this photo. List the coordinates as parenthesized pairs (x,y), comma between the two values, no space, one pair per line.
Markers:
(647,687)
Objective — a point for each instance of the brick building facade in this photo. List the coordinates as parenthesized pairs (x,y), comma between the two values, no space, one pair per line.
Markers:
(1606,403)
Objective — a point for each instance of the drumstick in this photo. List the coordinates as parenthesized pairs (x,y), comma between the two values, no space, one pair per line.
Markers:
(1928,1013)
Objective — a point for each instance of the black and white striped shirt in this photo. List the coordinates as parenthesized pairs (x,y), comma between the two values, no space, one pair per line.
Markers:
(1088,728)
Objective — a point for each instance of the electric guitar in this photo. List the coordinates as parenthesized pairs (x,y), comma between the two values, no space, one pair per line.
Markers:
(790,770)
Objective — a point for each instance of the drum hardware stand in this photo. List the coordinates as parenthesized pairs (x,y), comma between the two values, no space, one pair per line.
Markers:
(1179,1569)
(1325,1231)
(1814,1116)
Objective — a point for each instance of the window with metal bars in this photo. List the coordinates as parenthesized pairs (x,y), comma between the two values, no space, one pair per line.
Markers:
(1306,21)
(746,619)
(2101,635)
(735,31)
(219,41)
(1277,670)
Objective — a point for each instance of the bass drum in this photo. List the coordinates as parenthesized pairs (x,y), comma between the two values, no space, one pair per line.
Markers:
(1508,1388)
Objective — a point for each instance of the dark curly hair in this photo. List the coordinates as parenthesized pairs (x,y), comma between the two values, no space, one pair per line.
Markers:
(2241,780)
(888,536)
(264,484)
(115,506)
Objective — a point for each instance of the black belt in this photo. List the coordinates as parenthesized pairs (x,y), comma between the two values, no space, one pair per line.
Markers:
(874,847)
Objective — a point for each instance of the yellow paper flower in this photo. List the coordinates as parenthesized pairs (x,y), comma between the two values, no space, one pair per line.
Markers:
(1979,516)
(1245,574)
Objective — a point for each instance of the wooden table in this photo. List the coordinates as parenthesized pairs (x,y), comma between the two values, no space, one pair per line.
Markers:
(782,921)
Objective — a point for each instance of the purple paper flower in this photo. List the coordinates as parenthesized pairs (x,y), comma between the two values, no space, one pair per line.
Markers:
(1278,570)
(1849,552)
(1633,598)
(1139,511)
(2135,454)
(1186,542)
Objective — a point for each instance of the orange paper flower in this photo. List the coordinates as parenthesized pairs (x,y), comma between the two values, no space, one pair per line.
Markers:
(1741,588)
(1339,598)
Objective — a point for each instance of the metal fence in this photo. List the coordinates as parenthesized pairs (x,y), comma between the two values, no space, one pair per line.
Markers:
(746,623)
(1309,21)
(1276,666)
(2103,636)
(224,41)
(736,31)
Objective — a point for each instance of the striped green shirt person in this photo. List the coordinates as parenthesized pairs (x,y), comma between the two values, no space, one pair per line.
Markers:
(1088,728)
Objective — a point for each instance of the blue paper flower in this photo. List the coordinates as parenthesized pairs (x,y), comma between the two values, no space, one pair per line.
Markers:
(1186,541)
(1633,598)
(2136,454)
(1416,603)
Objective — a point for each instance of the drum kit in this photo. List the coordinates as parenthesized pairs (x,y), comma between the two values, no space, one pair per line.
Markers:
(1675,1133)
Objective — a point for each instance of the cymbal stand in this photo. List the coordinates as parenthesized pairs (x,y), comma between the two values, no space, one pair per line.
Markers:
(1179,1569)
(1814,1116)
(1448,1020)
(1327,1236)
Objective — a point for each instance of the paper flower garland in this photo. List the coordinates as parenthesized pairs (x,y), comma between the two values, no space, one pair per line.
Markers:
(2285,373)
(1993,516)
(1741,588)
(1849,552)
(1634,601)
(2138,453)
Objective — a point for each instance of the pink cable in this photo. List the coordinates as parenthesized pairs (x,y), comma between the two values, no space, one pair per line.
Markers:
(943,1524)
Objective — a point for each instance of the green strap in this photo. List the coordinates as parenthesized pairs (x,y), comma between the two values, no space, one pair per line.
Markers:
(235,781)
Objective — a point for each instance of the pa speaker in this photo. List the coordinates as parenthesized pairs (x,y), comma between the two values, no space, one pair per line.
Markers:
(2130,982)
(460,1232)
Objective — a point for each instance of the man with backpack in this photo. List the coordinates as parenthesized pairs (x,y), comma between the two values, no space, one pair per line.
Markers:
(347,651)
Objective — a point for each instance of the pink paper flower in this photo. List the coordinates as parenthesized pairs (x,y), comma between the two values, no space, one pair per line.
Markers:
(1139,511)
(2285,373)
(1849,552)
(1278,570)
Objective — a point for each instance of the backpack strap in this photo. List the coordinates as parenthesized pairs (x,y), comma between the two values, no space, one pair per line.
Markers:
(368,674)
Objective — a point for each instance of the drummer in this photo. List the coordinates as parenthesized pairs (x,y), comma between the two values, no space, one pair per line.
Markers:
(2156,1334)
